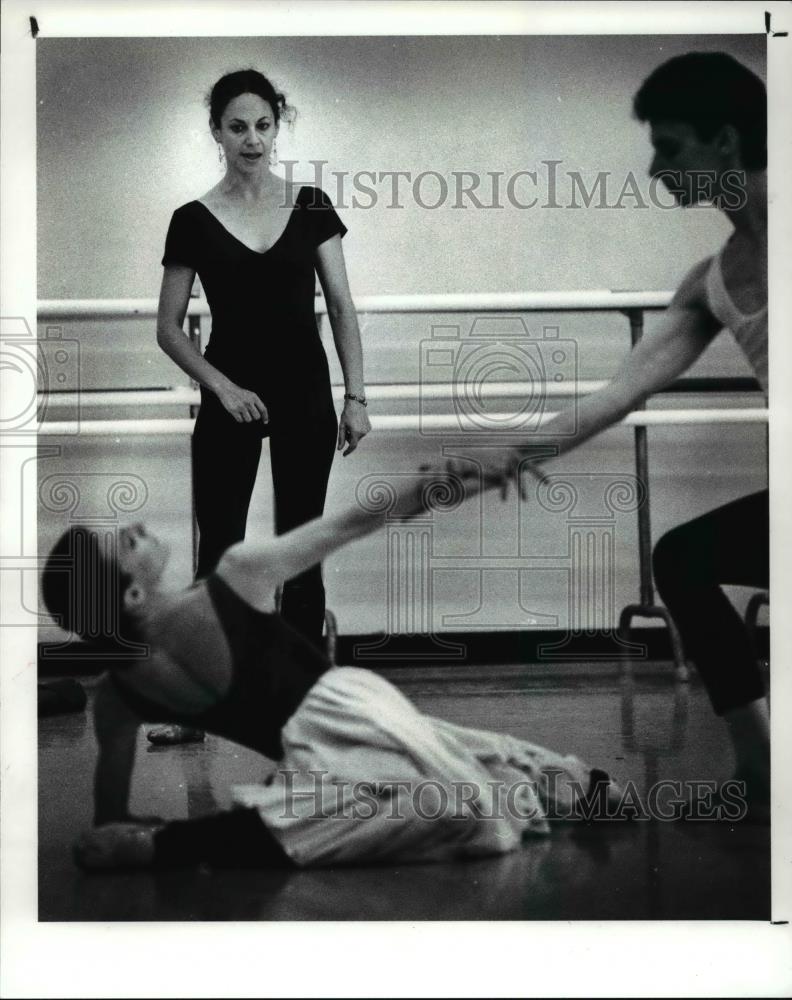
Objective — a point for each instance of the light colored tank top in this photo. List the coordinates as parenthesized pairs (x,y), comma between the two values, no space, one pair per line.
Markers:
(750,330)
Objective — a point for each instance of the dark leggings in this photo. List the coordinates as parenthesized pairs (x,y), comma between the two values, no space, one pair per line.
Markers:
(225,457)
(236,839)
(729,545)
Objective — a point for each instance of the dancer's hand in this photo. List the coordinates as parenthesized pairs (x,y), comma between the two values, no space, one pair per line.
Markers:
(243,405)
(353,425)
(510,467)
(498,471)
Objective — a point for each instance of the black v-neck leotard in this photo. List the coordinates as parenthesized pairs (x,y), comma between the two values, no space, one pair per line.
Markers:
(272,669)
(262,303)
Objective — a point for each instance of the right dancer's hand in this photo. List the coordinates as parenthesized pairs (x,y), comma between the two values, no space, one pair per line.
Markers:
(510,467)
(243,405)
(473,475)
(497,472)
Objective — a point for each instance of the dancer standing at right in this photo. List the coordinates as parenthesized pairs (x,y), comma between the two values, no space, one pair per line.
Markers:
(708,120)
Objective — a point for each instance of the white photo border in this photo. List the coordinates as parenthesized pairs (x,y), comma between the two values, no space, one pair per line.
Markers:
(387,959)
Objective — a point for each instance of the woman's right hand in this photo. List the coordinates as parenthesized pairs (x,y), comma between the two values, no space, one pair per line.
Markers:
(243,405)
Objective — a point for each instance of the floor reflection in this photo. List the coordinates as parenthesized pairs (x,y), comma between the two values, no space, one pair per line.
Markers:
(641,728)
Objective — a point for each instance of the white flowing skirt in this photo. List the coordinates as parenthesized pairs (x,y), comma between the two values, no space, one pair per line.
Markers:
(366,777)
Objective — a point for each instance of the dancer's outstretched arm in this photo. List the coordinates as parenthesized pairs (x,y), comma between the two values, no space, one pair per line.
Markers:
(685,329)
(253,570)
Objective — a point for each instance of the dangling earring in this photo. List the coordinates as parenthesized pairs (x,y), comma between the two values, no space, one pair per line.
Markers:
(220,156)
(273,158)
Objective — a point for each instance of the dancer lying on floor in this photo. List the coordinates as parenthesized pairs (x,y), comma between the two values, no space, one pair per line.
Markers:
(362,776)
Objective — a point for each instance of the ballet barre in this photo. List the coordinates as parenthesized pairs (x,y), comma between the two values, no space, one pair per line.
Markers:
(184,396)
(411,422)
(490,302)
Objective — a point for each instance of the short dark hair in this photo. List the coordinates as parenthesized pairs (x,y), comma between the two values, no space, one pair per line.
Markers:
(247,81)
(709,90)
(83,586)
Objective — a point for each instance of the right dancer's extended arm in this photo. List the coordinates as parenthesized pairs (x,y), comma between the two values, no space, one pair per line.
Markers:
(177,281)
(686,328)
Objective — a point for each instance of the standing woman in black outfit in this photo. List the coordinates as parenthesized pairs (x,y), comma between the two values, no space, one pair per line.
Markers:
(257,241)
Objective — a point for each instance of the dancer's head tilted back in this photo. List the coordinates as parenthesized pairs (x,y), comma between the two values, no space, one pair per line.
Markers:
(98,582)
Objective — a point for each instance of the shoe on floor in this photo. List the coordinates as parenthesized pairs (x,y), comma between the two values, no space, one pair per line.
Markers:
(165,736)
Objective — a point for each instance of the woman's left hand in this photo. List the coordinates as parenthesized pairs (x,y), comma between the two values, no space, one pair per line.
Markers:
(353,425)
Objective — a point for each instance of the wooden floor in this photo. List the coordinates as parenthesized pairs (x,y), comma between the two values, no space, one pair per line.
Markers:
(641,730)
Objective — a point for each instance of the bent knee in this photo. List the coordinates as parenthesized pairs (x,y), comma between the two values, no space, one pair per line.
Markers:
(671,554)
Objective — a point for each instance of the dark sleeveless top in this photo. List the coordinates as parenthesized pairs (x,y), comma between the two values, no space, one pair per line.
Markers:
(262,304)
(272,669)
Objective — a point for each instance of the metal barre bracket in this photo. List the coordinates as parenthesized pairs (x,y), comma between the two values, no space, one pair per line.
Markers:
(681,669)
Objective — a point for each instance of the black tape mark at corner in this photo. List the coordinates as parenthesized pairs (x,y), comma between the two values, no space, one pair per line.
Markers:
(775,34)
(34,28)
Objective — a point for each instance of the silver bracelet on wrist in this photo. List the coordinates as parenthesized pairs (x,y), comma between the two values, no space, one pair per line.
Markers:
(358,399)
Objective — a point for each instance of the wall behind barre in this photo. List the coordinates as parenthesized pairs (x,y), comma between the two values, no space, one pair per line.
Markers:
(123,140)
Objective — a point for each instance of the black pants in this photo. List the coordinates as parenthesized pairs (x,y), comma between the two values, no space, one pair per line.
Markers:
(225,455)
(729,545)
(236,839)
